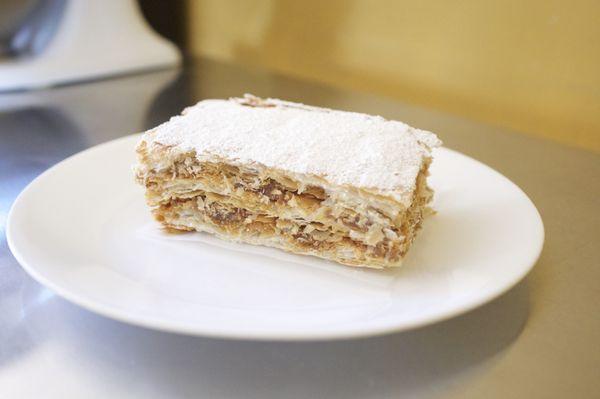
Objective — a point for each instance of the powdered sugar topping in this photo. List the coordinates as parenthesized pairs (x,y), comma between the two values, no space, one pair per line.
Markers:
(346,148)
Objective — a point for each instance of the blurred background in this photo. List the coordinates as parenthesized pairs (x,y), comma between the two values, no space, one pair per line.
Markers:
(532,66)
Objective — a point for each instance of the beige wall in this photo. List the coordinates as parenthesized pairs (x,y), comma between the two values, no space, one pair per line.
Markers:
(533,66)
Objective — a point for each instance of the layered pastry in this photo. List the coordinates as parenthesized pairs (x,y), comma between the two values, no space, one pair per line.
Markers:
(343,186)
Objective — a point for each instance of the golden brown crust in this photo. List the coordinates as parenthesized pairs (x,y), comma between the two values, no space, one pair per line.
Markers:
(269,207)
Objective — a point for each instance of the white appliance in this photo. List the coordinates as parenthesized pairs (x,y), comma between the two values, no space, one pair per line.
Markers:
(85,40)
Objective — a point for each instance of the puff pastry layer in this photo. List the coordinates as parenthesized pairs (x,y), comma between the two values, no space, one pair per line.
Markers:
(204,171)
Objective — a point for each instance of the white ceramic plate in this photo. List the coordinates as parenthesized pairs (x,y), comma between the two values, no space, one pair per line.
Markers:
(83,230)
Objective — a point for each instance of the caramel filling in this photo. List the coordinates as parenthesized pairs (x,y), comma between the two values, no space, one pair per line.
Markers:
(240,202)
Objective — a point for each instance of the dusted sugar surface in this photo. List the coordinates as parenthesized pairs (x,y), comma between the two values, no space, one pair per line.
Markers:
(345,148)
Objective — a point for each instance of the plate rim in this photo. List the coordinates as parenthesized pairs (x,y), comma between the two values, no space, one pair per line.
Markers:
(261,334)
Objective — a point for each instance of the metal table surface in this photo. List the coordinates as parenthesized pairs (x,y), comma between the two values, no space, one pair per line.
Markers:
(539,340)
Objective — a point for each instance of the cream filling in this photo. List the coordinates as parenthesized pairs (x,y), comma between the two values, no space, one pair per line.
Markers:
(367,225)
(204,213)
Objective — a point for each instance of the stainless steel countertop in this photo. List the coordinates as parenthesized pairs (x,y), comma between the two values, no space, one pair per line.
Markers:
(539,340)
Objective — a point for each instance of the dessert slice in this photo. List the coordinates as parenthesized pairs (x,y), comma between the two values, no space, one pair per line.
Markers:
(343,186)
